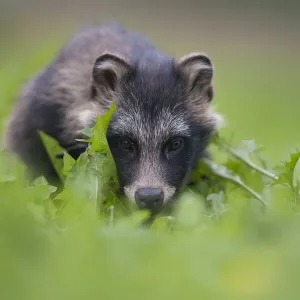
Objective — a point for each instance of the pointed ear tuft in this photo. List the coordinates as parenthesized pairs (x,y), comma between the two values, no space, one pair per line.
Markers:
(108,71)
(198,70)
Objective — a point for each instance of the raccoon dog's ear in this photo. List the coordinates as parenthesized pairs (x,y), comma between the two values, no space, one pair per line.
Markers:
(198,70)
(108,70)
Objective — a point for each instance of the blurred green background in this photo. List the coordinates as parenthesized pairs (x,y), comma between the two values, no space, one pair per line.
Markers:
(69,254)
(254,46)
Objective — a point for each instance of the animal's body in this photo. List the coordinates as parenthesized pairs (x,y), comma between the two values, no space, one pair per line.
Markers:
(162,124)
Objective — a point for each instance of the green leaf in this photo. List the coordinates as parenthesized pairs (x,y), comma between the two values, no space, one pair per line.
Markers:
(223,172)
(97,165)
(107,116)
(286,171)
(98,139)
(218,204)
(189,210)
(296,174)
(162,224)
(87,131)
(68,162)
(53,148)
(289,174)
(243,154)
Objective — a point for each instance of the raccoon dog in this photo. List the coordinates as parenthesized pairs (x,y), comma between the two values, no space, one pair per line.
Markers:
(160,129)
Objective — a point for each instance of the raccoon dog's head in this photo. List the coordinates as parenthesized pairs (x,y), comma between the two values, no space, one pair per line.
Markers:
(162,123)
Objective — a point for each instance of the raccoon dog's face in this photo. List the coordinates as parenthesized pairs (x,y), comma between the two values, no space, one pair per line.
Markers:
(162,123)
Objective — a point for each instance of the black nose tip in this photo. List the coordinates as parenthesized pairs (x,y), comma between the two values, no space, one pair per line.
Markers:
(150,198)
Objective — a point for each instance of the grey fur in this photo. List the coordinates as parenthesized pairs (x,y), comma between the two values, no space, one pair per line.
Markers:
(93,70)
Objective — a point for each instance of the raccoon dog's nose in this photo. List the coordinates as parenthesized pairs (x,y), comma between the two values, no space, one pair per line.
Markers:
(150,198)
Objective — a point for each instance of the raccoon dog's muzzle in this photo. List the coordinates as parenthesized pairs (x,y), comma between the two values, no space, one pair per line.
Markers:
(149,190)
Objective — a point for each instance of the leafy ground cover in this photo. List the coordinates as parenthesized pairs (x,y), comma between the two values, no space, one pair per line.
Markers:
(234,235)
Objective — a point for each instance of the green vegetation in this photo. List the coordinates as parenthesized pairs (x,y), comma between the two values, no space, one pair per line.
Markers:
(232,236)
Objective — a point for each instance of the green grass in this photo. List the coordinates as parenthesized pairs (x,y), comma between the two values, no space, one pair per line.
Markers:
(235,236)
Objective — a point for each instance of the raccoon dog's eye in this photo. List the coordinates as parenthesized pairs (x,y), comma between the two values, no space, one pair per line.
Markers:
(127,144)
(175,145)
